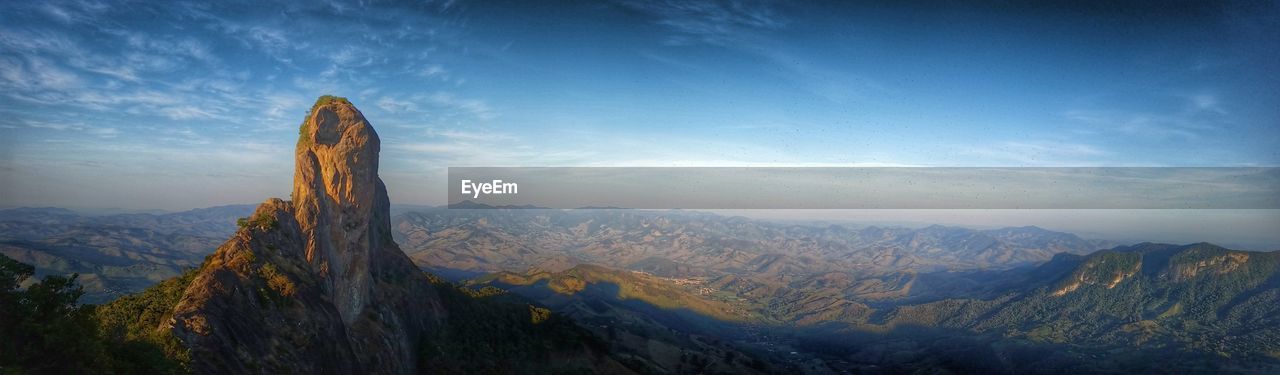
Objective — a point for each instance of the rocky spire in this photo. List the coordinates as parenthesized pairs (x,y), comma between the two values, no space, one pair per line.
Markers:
(338,200)
(315,285)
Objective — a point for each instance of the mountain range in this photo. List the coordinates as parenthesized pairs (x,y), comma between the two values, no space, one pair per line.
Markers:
(706,244)
(1208,308)
(330,281)
(115,254)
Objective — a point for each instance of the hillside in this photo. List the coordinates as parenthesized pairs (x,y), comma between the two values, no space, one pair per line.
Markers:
(491,240)
(1212,308)
(112,261)
(1199,297)
(698,292)
(317,285)
(655,324)
(312,285)
(115,255)
(1197,307)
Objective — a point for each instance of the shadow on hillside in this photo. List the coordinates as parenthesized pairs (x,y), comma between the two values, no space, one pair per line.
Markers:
(855,348)
(914,348)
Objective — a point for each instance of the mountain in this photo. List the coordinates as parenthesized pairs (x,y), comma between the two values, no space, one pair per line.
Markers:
(125,253)
(317,285)
(204,222)
(655,324)
(118,254)
(208,222)
(675,243)
(320,284)
(469,205)
(1142,308)
(111,261)
(115,254)
(1198,308)
(314,284)
(632,285)
(1009,300)
(38,215)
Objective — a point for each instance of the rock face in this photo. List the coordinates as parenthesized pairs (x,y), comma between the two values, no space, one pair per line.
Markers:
(340,203)
(316,285)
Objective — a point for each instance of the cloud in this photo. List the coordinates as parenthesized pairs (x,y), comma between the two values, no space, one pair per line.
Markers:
(1058,148)
(352,56)
(266,38)
(53,69)
(839,86)
(1169,116)
(186,47)
(134,55)
(96,131)
(44,125)
(191,86)
(747,27)
(1033,153)
(393,105)
(437,105)
(104,132)
(432,70)
(1143,124)
(35,74)
(437,71)
(58,13)
(474,107)
(1206,103)
(186,112)
(441,148)
(470,136)
(713,22)
(282,107)
(347,59)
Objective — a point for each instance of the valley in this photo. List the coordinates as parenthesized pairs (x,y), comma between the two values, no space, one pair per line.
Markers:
(639,187)
(677,290)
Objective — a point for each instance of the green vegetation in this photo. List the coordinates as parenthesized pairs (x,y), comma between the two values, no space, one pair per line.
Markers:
(539,314)
(279,287)
(1197,308)
(304,130)
(497,333)
(135,322)
(44,330)
(261,221)
(653,291)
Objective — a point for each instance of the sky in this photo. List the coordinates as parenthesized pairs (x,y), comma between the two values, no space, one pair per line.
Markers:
(176,105)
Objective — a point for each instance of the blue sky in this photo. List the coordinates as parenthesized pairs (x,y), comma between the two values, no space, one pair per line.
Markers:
(176,105)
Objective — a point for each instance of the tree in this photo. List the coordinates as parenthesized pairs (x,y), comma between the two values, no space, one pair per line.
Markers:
(42,329)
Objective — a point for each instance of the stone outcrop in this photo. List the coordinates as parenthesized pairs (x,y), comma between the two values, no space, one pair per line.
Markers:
(316,284)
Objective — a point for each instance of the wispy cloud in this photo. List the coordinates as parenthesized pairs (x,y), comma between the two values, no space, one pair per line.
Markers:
(433,70)
(1147,125)
(438,105)
(470,136)
(95,131)
(1205,102)
(1032,153)
(703,82)
(749,27)
(711,21)
(35,74)
(394,105)
(475,107)
(1180,115)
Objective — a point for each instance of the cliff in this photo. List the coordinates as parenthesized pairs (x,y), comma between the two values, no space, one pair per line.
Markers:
(316,284)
